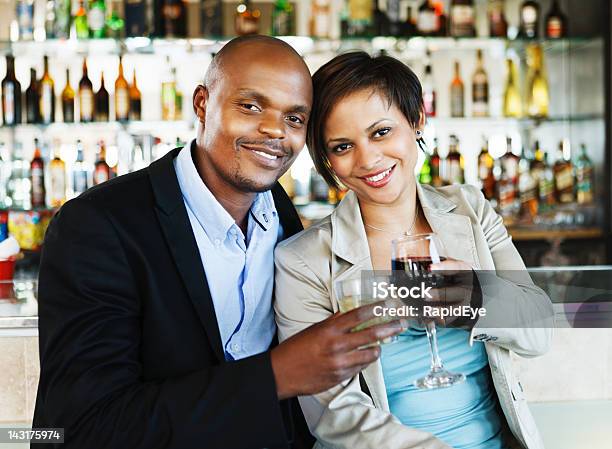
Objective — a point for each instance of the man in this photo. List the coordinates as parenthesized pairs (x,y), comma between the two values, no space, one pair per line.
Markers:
(155,288)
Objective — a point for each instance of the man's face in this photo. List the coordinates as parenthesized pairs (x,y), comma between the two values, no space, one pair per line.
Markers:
(255,120)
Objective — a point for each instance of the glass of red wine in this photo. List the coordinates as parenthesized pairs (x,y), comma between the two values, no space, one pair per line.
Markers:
(412,257)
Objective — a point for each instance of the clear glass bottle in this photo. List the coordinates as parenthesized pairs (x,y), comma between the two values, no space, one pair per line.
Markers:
(457,96)
(19,186)
(80,173)
(480,88)
(513,103)
(538,99)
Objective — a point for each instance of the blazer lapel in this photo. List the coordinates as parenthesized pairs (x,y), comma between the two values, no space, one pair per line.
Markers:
(177,230)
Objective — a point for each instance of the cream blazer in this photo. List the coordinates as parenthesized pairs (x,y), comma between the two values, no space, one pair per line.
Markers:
(336,248)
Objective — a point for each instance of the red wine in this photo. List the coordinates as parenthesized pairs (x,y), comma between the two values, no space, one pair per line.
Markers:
(418,265)
(417,269)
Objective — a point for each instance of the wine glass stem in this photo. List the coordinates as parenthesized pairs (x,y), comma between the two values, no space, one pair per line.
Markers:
(436,362)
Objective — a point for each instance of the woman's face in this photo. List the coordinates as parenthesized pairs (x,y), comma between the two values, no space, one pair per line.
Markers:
(371,147)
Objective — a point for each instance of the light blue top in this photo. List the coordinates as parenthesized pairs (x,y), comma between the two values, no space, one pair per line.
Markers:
(464,415)
(239,269)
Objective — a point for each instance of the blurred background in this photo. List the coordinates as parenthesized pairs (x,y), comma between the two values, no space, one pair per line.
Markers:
(517,94)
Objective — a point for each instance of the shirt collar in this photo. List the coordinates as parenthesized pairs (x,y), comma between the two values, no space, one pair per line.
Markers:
(211,215)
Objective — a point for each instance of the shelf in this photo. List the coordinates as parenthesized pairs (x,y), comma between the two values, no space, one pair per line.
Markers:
(492,122)
(133,127)
(536,233)
(303,44)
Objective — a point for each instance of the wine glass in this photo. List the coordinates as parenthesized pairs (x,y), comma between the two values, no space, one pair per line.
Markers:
(412,257)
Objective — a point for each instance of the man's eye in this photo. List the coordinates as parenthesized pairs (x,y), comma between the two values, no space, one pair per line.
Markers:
(295,119)
(381,132)
(250,107)
(341,148)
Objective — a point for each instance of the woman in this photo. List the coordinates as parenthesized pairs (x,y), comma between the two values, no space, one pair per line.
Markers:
(364,131)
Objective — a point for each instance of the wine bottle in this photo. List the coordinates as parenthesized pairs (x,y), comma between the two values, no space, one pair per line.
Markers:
(457,94)
(101,112)
(564,174)
(122,95)
(537,86)
(429,93)
(212,18)
(135,100)
(80,174)
(68,100)
(81,23)
(86,96)
(462,18)
(33,99)
(498,25)
(96,19)
(37,177)
(427,20)
(480,89)
(556,22)
(513,105)
(455,161)
(485,171)
(320,20)
(529,19)
(436,166)
(584,177)
(282,19)
(101,169)
(174,18)
(47,95)
(57,179)
(11,95)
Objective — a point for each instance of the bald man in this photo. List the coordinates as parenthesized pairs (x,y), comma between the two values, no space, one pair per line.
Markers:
(155,317)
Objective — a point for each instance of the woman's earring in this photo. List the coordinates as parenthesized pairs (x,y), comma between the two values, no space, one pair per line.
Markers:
(420,140)
(419,134)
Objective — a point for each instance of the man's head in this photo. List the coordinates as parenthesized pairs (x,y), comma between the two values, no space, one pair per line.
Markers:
(253,111)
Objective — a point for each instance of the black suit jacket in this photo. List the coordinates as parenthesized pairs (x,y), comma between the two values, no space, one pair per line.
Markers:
(130,349)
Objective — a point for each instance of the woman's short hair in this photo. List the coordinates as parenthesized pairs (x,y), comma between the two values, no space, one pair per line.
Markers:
(351,72)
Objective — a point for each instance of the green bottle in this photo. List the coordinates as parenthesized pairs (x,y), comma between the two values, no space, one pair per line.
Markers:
(97,18)
(80,22)
(584,177)
(115,25)
(425,173)
(282,19)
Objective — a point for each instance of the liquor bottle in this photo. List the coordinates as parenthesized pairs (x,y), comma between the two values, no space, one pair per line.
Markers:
(425,172)
(457,97)
(556,22)
(513,104)
(47,95)
(282,19)
(50,19)
(584,177)
(101,111)
(498,26)
(80,174)
(57,179)
(212,18)
(86,96)
(320,21)
(537,85)
(394,17)
(246,20)
(33,99)
(135,100)
(25,19)
(122,95)
(102,171)
(11,95)
(37,177)
(485,171)
(546,187)
(454,161)
(427,20)
(480,89)
(410,25)
(81,24)
(115,25)
(68,100)
(135,18)
(462,18)
(564,175)
(174,18)
(381,23)
(63,11)
(509,162)
(527,188)
(169,95)
(96,19)
(436,166)
(442,19)
(429,93)
(529,19)
(18,186)
(537,164)
(360,17)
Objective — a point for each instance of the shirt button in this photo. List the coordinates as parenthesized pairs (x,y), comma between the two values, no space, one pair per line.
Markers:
(217,242)
(235,347)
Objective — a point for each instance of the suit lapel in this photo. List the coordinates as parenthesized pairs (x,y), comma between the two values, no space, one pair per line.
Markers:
(177,230)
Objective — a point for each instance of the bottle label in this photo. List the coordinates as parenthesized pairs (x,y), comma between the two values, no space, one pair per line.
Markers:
(455,172)
(462,15)
(554,28)
(58,185)
(564,179)
(38,186)
(46,103)
(96,19)
(68,111)
(427,22)
(100,175)
(456,102)
(483,171)
(80,181)
(122,104)
(9,103)
(87,103)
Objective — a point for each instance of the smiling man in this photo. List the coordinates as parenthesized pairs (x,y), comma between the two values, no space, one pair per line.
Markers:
(155,288)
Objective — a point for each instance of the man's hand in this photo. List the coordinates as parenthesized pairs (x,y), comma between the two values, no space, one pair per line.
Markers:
(327,353)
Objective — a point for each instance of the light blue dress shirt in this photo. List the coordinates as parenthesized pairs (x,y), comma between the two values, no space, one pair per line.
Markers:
(464,415)
(239,269)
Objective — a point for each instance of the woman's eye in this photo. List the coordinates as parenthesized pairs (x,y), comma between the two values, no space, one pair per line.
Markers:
(381,132)
(341,148)
(250,107)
